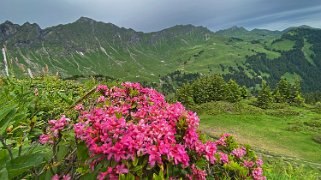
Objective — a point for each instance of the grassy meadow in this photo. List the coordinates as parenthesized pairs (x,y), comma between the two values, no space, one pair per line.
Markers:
(286,134)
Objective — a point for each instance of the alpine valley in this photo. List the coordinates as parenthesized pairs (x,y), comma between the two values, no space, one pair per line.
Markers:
(87,47)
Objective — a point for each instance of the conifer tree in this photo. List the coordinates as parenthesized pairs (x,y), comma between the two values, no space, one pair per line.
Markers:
(277,96)
(265,97)
(185,95)
(244,92)
(217,88)
(296,95)
(233,91)
(284,89)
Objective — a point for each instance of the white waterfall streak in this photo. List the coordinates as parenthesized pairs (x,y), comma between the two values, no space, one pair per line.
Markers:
(5,62)
(30,73)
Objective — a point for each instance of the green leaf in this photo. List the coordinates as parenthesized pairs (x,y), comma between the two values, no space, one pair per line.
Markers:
(122,177)
(161,174)
(23,163)
(130,176)
(137,168)
(4,157)
(82,151)
(135,162)
(157,177)
(63,151)
(65,98)
(5,111)
(4,174)
(5,115)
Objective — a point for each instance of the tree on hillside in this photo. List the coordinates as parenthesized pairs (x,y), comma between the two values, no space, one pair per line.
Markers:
(210,88)
(201,90)
(244,92)
(296,95)
(185,95)
(284,89)
(277,96)
(233,91)
(217,88)
(265,97)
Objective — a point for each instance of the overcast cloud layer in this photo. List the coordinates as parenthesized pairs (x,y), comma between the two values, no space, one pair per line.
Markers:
(154,15)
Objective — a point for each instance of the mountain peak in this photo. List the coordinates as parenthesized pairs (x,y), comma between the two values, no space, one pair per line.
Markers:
(306,27)
(85,19)
(234,31)
(298,27)
(7,23)
(239,28)
(186,28)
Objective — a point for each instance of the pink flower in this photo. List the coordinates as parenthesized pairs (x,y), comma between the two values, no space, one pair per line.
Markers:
(209,151)
(239,152)
(55,177)
(139,123)
(66,177)
(44,138)
(197,173)
(248,164)
(102,175)
(154,156)
(79,107)
(222,139)
(223,157)
(57,125)
(257,174)
(101,88)
(259,162)
(101,99)
(121,169)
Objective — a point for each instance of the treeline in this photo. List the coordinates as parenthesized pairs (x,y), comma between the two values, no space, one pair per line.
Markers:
(312,97)
(215,88)
(210,88)
(284,92)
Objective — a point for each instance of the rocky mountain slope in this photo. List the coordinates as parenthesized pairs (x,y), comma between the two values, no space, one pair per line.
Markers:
(88,47)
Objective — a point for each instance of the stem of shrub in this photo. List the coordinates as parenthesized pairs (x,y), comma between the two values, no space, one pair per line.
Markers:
(84,97)
(6,147)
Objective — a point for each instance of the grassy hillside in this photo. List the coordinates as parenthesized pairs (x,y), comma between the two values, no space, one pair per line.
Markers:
(87,47)
(285,130)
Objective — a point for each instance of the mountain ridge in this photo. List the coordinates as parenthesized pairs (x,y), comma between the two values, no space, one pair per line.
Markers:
(84,18)
(88,47)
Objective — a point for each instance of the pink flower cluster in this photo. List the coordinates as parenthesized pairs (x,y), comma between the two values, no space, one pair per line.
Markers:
(63,177)
(239,152)
(55,126)
(131,122)
(197,173)
(138,122)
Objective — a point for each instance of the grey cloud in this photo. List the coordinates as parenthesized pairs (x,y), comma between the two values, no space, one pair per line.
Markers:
(153,15)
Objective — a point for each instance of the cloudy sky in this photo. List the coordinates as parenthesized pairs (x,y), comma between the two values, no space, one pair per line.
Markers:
(153,15)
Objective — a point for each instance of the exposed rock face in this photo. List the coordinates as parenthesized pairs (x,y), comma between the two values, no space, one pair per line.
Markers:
(7,29)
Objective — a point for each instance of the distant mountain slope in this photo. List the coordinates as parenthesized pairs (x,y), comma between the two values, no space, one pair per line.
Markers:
(300,50)
(241,32)
(88,47)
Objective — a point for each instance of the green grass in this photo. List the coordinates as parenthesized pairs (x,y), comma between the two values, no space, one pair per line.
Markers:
(282,131)
(283,45)
(144,61)
(308,52)
(291,77)
(279,169)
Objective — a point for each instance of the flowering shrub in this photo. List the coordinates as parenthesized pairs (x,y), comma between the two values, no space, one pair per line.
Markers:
(132,132)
